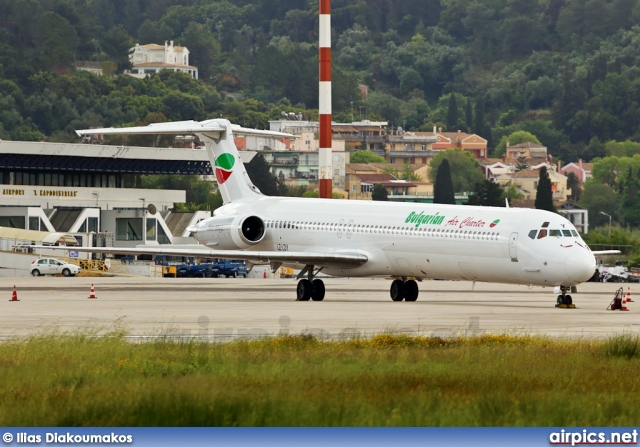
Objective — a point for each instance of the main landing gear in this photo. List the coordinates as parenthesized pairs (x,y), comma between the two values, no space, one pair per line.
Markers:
(401,289)
(310,288)
(565,301)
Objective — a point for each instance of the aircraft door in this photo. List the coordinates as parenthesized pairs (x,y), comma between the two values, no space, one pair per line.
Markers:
(350,227)
(513,243)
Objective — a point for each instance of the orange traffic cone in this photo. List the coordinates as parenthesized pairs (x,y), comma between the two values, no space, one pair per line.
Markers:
(629,300)
(624,304)
(93,292)
(14,297)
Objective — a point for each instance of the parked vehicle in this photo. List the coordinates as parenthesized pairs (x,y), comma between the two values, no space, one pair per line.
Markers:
(51,266)
(231,268)
(205,270)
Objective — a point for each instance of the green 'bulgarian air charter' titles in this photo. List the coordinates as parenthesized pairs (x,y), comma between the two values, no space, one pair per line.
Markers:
(424,219)
(437,219)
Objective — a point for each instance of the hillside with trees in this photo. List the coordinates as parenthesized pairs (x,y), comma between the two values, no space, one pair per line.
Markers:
(565,72)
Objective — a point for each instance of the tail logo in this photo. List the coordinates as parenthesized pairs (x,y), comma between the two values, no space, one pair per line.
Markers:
(224,166)
(494,223)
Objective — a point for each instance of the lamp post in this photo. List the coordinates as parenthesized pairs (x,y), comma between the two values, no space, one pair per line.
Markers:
(602,212)
(144,221)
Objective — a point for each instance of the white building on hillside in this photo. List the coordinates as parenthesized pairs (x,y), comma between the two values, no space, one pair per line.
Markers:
(151,58)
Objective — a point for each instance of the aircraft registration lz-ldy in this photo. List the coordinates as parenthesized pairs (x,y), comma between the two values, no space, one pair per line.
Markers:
(360,238)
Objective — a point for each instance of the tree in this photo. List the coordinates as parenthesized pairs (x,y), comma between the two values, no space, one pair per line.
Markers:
(197,189)
(487,193)
(379,193)
(511,192)
(204,49)
(452,113)
(366,156)
(517,137)
(631,200)
(598,198)
(465,169)
(573,183)
(56,40)
(479,125)
(261,176)
(544,195)
(443,187)
(468,114)
(116,43)
(522,164)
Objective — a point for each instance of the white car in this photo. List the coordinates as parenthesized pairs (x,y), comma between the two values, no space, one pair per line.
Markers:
(50,266)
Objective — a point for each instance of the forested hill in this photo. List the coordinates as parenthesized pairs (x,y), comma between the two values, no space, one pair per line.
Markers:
(565,70)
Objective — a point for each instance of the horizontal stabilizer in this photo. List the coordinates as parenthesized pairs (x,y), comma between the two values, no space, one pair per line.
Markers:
(181,127)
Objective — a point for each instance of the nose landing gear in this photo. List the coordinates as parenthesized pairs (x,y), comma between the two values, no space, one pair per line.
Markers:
(565,301)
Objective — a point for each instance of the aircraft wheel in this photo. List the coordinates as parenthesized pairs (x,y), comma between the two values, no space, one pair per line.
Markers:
(318,290)
(568,300)
(304,290)
(411,290)
(397,290)
(560,300)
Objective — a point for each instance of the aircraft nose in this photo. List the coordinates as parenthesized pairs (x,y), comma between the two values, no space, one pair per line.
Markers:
(580,266)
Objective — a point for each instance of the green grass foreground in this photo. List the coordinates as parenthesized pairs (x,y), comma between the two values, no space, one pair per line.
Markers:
(387,380)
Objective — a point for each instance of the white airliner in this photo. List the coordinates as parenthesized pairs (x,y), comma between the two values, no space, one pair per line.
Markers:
(404,241)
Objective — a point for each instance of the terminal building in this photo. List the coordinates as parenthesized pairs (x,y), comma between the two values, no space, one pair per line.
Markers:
(78,189)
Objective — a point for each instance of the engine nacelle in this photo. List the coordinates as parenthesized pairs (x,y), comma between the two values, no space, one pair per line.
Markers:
(230,232)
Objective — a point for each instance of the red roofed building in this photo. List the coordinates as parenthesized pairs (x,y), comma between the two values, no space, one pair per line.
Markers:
(580,169)
(460,140)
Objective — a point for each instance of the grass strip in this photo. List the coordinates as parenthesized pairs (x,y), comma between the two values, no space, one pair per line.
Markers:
(83,379)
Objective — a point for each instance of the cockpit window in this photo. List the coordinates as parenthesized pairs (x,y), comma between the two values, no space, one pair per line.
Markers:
(575,233)
(532,234)
(543,233)
(566,233)
(545,225)
(556,233)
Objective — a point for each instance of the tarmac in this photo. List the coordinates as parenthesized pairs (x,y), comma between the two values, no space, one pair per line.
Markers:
(224,309)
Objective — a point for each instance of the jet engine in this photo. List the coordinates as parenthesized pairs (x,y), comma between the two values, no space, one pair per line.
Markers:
(230,232)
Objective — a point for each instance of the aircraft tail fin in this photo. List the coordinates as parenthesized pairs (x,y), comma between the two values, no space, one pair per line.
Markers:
(217,134)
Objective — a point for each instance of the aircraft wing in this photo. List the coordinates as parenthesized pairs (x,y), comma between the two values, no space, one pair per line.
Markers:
(327,259)
(180,127)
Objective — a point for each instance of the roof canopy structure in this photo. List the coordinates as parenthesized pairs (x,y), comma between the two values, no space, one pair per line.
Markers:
(42,237)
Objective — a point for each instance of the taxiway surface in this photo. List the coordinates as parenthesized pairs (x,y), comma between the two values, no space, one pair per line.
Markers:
(219,308)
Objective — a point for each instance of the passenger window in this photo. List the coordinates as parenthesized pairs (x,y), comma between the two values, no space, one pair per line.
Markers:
(532,234)
(566,233)
(543,233)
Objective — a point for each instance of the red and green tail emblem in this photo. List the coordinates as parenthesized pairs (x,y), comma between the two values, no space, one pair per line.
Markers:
(494,223)
(224,166)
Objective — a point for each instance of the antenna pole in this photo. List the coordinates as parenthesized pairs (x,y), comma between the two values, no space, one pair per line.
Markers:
(325,158)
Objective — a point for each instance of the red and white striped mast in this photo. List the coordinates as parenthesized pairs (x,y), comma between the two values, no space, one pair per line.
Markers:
(325,158)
